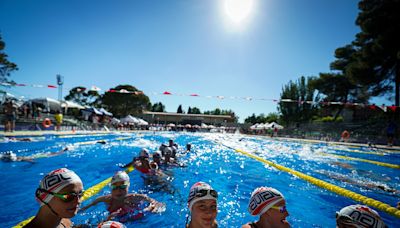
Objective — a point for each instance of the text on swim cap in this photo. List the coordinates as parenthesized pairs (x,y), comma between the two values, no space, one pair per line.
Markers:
(53,180)
(261,198)
(365,219)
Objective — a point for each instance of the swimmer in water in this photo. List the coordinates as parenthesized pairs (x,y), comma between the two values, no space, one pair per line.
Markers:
(59,194)
(123,206)
(12,157)
(359,183)
(141,163)
(358,216)
(202,203)
(270,204)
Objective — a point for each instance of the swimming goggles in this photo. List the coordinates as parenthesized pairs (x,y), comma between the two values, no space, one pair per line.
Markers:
(282,209)
(122,187)
(204,192)
(66,197)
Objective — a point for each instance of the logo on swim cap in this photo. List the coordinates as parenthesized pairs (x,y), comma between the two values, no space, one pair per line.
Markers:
(111,224)
(360,215)
(262,199)
(54,182)
(120,176)
(201,191)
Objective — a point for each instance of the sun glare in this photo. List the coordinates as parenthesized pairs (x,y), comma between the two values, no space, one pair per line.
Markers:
(238,11)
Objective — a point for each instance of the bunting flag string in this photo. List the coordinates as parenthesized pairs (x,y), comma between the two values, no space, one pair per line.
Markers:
(374,107)
(31,85)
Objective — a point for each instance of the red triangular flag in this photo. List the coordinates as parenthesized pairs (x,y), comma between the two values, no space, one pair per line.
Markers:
(51,86)
(167,93)
(393,108)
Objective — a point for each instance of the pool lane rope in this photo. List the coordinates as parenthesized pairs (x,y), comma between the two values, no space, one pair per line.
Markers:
(394,166)
(328,186)
(89,192)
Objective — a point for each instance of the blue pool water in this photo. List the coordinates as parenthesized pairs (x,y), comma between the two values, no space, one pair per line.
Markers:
(233,175)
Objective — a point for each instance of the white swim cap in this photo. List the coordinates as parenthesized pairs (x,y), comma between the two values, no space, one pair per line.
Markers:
(262,199)
(111,224)
(54,182)
(360,215)
(144,153)
(201,191)
(120,176)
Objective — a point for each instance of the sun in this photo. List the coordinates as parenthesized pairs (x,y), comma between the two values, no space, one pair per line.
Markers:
(237,11)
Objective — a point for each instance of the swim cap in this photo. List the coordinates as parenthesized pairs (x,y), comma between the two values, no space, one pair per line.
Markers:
(111,224)
(360,215)
(54,182)
(168,151)
(144,153)
(9,156)
(262,199)
(120,176)
(201,191)
(157,154)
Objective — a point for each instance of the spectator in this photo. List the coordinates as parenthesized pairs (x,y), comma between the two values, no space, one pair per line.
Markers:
(59,118)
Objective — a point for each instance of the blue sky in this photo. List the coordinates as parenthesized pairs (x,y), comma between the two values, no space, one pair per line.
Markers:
(183,47)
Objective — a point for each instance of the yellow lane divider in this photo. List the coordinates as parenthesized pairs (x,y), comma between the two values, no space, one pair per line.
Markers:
(328,186)
(394,166)
(86,195)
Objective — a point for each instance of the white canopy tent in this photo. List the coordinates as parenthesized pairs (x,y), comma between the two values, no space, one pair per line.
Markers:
(275,125)
(105,112)
(130,119)
(70,104)
(115,121)
(48,103)
(142,122)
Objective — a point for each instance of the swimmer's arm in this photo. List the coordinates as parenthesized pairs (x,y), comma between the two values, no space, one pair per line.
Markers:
(132,163)
(58,153)
(127,165)
(27,159)
(94,202)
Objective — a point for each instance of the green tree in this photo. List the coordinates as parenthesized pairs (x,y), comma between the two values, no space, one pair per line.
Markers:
(271,117)
(376,61)
(196,110)
(78,95)
(218,111)
(94,98)
(189,110)
(298,92)
(179,109)
(158,107)
(121,104)
(81,96)
(6,67)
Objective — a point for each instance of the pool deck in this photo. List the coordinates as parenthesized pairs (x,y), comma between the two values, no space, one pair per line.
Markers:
(43,133)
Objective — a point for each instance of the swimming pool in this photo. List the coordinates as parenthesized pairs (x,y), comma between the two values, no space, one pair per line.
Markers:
(232,174)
